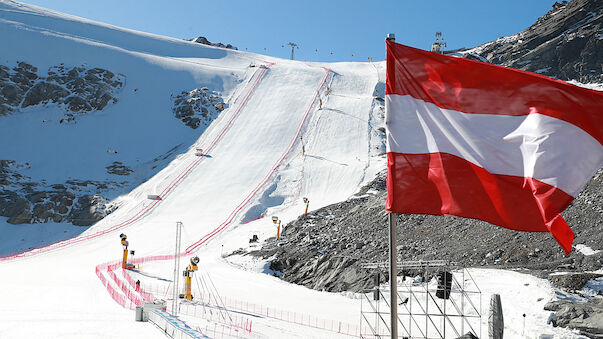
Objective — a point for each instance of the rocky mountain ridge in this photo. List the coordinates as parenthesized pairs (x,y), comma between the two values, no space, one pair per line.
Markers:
(566,43)
(203,40)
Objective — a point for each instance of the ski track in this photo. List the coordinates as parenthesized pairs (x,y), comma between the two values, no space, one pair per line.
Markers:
(193,247)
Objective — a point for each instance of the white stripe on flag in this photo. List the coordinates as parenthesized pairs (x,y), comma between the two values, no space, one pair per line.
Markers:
(537,146)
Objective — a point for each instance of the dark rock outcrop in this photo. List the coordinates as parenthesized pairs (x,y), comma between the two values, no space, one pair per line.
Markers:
(77,89)
(203,40)
(44,92)
(573,281)
(88,210)
(198,107)
(118,168)
(586,316)
(26,202)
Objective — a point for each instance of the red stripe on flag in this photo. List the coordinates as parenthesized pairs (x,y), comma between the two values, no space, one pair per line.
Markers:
(444,184)
(471,86)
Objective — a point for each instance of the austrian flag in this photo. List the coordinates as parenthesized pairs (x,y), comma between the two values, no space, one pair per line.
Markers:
(480,141)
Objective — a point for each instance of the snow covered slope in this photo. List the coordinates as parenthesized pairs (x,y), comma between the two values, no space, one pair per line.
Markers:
(56,154)
(252,163)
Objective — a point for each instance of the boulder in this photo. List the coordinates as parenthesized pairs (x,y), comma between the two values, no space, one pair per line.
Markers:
(12,94)
(44,92)
(572,281)
(586,317)
(77,104)
(197,107)
(118,168)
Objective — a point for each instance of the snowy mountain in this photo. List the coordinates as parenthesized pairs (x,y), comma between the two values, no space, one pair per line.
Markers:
(179,131)
(131,133)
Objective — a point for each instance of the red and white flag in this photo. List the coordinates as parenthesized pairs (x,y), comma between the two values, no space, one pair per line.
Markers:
(480,141)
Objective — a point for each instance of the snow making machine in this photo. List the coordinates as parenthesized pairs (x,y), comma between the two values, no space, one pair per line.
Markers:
(188,273)
(124,263)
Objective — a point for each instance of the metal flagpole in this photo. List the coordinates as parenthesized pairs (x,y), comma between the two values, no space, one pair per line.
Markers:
(393,276)
(176,268)
(393,264)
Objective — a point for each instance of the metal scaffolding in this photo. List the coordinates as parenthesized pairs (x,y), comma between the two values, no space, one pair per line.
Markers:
(435,299)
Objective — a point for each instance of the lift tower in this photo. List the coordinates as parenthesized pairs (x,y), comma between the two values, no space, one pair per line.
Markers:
(293,47)
(188,273)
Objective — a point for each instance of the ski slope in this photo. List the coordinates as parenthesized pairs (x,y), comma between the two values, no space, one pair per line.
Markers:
(252,167)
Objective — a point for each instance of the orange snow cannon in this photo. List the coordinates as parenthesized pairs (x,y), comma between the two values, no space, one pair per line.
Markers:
(124,263)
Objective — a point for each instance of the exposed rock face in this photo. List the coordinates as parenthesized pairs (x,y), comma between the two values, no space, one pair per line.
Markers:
(565,43)
(88,210)
(198,107)
(75,201)
(573,281)
(325,249)
(203,40)
(587,317)
(43,92)
(118,168)
(78,89)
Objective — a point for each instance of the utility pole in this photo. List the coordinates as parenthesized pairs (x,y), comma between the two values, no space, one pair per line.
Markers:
(393,264)
(293,47)
(175,295)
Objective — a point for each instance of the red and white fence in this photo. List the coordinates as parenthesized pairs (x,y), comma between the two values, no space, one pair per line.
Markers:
(232,304)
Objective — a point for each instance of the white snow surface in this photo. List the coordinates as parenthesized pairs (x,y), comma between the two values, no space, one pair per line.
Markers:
(585,249)
(254,168)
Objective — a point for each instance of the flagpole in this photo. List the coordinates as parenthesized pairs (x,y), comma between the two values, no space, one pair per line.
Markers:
(393,264)
(393,276)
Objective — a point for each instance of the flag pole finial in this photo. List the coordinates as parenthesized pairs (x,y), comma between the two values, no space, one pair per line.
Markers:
(391,37)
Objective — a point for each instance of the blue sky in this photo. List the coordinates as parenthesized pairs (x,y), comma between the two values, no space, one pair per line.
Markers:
(350,30)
